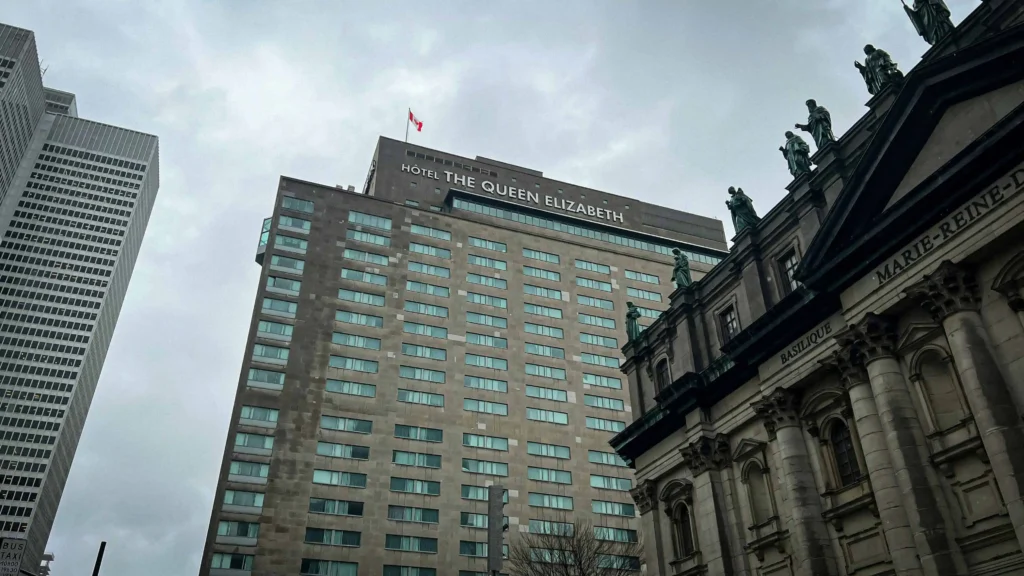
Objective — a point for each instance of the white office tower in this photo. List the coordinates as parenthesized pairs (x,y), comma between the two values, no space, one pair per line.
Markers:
(76,198)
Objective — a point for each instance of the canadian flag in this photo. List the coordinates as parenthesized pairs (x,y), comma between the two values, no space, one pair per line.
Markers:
(419,124)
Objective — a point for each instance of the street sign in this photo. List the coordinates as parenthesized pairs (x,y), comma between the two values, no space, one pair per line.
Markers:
(12,550)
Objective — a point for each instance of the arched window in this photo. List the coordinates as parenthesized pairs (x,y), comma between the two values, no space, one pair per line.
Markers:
(842,451)
(682,531)
(940,390)
(661,378)
(757,488)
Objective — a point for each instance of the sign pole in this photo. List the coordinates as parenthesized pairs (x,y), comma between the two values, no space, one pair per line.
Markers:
(408,113)
(99,559)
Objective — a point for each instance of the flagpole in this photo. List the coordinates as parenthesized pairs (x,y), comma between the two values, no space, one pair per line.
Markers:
(409,111)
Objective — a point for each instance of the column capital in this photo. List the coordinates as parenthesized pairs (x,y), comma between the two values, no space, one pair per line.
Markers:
(706,453)
(847,360)
(950,288)
(874,337)
(778,410)
(645,495)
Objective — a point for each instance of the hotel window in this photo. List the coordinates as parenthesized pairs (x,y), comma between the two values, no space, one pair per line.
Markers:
(487,244)
(641,277)
(542,256)
(593,267)
(297,204)
(489,384)
(479,493)
(346,451)
(361,297)
(274,330)
(605,425)
(422,374)
(416,248)
(424,288)
(269,352)
(281,307)
(287,264)
(542,330)
(243,498)
(486,320)
(259,414)
(329,537)
(287,285)
(336,478)
(541,350)
(360,319)
(728,323)
(430,232)
(611,483)
(542,310)
(542,274)
(484,467)
(439,271)
(314,567)
(486,362)
(413,514)
(290,243)
(355,341)
(602,381)
(648,313)
(595,340)
(360,236)
(496,408)
(603,402)
(335,507)
(471,520)
(425,398)
(643,294)
(428,309)
(415,459)
(549,416)
(545,371)
(418,433)
(232,561)
(411,486)
(367,277)
(346,424)
(369,220)
(550,501)
(565,529)
(595,302)
(487,281)
(362,256)
(485,340)
(598,360)
(542,292)
(590,320)
(258,441)
(594,284)
(549,475)
(485,442)
(487,262)
(486,300)
(424,330)
(608,458)
(615,534)
(612,508)
(354,364)
(787,267)
(552,394)
(410,543)
(424,352)
(408,570)
(548,450)
(478,549)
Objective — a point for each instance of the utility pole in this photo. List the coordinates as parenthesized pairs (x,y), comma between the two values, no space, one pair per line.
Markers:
(496,527)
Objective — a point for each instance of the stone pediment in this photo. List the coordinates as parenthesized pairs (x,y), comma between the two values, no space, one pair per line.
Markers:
(915,334)
(746,448)
(951,112)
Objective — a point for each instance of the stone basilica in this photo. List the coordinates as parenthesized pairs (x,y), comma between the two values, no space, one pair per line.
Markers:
(844,393)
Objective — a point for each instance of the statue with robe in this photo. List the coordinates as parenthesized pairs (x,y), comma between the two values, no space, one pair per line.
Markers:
(681,270)
(819,124)
(930,19)
(632,322)
(742,209)
(797,154)
(878,70)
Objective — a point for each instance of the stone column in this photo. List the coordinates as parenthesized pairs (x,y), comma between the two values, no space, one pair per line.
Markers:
(926,511)
(810,545)
(950,294)
(645,495)
(705,458)
(888,500)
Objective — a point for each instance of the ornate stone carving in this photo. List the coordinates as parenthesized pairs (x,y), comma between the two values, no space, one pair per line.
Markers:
(649,369)
(706,454)
(949,289)
(645,495)
(1010,280)
(847,362)
(675,491)
(875,337)
(777,410)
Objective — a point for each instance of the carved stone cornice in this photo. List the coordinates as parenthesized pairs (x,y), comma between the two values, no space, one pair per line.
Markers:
(645,495)
(847,360)
(875,337)
(778,410)
(950,289)
(706,453)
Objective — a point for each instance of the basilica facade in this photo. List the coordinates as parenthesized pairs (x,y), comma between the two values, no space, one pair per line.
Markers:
(844,393)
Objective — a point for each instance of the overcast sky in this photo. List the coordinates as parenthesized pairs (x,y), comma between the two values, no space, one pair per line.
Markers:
(670,102)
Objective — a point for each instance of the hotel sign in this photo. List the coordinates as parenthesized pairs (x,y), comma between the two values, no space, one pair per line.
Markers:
(977,208)
(520,194)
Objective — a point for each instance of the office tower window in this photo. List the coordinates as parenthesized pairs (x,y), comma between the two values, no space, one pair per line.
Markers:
(545,371)
(363,256)
(283,285)
(429,232)
(542,256)
(361,297)
(487,244)
(422,374)
(353,364)
(290,243)
(542,330)
(266,378)
(335,507)
(542,274)
(314,567)
(550,416)
(411,486)
(424,288)
(418,433)
(596,340)
(416,397)
(615,534)
(549,527)
(439,271)
(355,341)
(554,501)
(424,330)
(364,277)
(611,483)
(612,508)
(243,498)
(329,537)
(414,514)
(335,478)
(470,492)
(542,292)
(367,238)
(277,307)
(484,407)
(285,264)
(254,441)
(485,442)
(549,475)
(369,220)
(542,350)
(547,393)
(594,284)
(479,383)
(542,310)
(485,340)
(643,294)
(415,459)
(486,320)
(599,321)
(486,300)
(593,267)
(488,281)
(342,424)
(231,561)
(297,204)
(346,451)
(410,543)
(427,352)
(602,381)
(259,414)
(484,467)
(606,425)
(427,309)
(486,362)
(408,571)
(603,402)
(351,388)
(642,277)
(476,260)
(598,360)
(549,450)
(417,248)
(359,319)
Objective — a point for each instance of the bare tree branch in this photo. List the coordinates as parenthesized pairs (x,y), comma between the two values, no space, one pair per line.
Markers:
(561,548)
